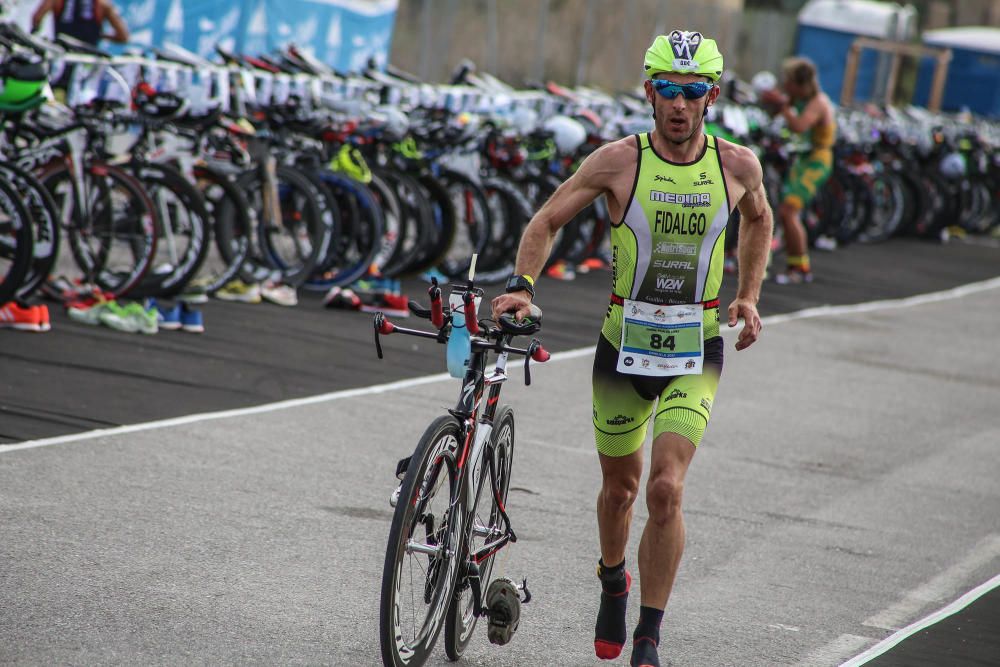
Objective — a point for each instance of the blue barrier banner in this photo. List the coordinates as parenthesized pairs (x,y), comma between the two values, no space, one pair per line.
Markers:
(346,34)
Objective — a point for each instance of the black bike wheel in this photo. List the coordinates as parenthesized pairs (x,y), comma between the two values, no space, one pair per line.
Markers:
(113,247)
(394,231)
(472,230)
(293,235)
(16,242)
(486,525)
(44,225)
(231,219)
(184,233)
(421,557)
(418,223)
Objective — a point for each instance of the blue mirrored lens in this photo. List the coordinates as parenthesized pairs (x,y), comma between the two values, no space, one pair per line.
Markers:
(690,91)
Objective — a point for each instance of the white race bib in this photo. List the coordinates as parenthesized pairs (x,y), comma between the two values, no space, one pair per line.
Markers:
(661,340)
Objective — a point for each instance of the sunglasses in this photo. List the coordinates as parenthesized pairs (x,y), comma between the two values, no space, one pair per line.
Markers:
(690,91)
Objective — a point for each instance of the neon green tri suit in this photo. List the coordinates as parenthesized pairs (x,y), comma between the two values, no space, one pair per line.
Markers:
(667,250)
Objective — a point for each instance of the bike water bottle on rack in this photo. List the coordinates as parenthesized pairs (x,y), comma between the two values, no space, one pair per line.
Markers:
(460,340)
(451,516)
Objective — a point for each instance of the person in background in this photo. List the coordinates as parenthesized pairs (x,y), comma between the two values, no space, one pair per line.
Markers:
(83,20)
(805,108)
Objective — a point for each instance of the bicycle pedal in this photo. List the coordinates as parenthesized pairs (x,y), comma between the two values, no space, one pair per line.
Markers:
(503,606)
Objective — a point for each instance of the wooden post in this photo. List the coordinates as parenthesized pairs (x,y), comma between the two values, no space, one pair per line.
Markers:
(898,49)
(937,85)
(890,84)
(850,75)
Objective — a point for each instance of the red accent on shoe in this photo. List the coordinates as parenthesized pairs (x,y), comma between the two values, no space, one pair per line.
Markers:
(606,650)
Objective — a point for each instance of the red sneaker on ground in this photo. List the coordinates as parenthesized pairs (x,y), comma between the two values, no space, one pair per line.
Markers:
(13,316)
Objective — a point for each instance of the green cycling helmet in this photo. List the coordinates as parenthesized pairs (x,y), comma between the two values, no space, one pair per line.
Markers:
(22,83)
(684,53)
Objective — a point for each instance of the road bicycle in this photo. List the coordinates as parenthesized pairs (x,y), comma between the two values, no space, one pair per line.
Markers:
(451,518)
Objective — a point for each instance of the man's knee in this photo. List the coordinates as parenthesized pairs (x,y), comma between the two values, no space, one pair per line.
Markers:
(619,492)
(663,498)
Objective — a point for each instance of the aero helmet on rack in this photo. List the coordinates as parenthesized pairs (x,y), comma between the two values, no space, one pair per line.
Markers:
(684,53)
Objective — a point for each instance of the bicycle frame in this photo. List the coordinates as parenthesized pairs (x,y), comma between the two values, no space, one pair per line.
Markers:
(476,426)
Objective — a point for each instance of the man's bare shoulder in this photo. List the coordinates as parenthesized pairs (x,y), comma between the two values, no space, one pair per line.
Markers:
(741,162)
(617,154)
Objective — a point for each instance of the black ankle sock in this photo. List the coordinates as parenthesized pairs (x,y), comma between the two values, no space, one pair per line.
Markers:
(646,637)
(610,632)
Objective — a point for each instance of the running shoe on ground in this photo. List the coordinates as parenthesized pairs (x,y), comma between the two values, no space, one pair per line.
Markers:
(115,316)
(395,305)
(194,292)
(283,295)
(793,277)
(561,270)
(145,319)
(191,319)
(13,316)
(87,314)
(168,318)
(44,323)
(237,290)
(434,273)
(342,297)
(825,243)
(592,264)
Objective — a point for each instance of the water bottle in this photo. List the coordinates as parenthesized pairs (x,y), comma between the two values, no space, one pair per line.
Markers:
(459,342)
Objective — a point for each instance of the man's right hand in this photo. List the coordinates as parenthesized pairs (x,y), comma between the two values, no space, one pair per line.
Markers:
(518,303)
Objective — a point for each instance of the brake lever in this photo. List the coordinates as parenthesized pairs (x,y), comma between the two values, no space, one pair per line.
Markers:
(378,325)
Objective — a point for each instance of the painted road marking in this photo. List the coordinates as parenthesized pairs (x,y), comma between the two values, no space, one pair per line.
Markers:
(820,311)
(956,606)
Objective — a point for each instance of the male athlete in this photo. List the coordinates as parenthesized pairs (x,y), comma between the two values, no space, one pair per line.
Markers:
(805,108)
(659,355)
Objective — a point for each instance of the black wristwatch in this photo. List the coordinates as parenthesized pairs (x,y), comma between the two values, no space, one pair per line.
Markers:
(518,283)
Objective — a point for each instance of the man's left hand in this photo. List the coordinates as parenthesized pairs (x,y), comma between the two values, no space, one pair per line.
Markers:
(747,311)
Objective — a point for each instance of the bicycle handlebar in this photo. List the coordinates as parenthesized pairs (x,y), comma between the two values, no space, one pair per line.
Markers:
(497,338)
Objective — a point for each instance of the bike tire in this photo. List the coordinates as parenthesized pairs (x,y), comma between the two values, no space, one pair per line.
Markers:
(185,230)
(16,242)
(231,219)
(473,222)
(432,468)
(44,225)
(289,249)
(114,247)
(460,622)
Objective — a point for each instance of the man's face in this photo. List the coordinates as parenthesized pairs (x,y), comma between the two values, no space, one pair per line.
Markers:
(678,119)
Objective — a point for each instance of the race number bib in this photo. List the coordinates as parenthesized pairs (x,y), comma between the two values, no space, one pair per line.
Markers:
(661,340)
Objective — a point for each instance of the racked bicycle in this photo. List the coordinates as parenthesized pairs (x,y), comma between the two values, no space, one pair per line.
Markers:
(451,519)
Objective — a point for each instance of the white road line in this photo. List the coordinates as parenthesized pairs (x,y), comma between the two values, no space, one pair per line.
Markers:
(954,607)
(821,311)
(832,652)
(939,588)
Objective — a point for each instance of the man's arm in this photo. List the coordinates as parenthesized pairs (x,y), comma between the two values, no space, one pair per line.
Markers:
(44,8)
(756,228)
(595,176)
(119,29)
(810,116)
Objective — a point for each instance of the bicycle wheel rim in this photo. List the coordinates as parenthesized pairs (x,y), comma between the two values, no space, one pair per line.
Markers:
(114,246)
(16,243)
(486,524)
(416,586)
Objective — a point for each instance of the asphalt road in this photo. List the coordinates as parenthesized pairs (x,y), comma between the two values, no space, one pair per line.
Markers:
(845,488)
